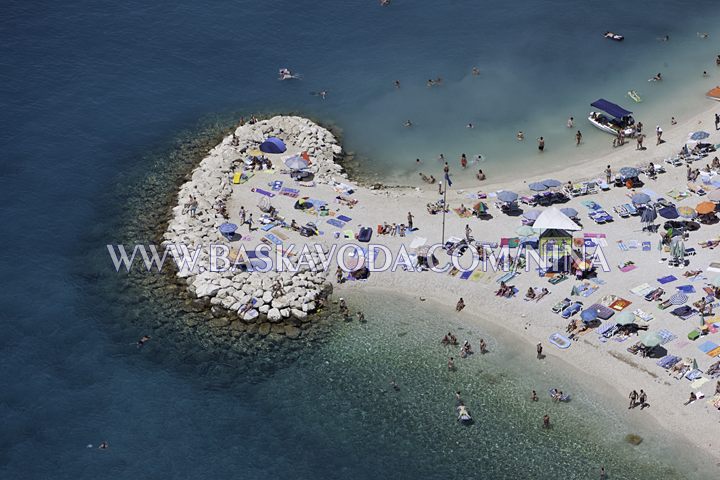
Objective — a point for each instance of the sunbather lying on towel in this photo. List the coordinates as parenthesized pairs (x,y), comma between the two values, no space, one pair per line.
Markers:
(530,295)
(544,291)
(504,290)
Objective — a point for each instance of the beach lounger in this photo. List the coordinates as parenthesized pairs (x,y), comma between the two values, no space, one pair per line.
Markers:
(344,218)
(335,222)
(290,192)
(641,290)
(571,310)
(642,315)
(561,305)
(646,246)
(607,329)
(631,209)
(620,210)
(273,239)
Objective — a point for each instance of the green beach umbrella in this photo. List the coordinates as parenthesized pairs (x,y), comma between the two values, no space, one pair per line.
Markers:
(651,340)
(626,317)
(525,231)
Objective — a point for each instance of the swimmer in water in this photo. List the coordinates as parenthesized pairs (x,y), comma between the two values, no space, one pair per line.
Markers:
(470,125)
(397,83)
(475,71)
(703,35)
(408,124)
(463,161)
(520,136)
(657,78)
(104,445)
(143,340)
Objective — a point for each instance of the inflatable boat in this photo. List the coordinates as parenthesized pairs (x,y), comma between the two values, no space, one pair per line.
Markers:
(463,415)
(634,95)
(614,36)
(563,398)
(559,340)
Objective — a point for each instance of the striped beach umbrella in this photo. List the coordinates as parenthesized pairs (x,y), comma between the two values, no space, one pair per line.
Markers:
(687,212)
(678,299)
(651,340)
(626,317)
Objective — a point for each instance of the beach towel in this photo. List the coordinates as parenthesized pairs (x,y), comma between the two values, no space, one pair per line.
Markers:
(335,222)
(466,275)
(632,244)
(461,214)
(666,336)
(290,192)
(698,381)
(510,242)
(668,279)
(714,352)
(646,246)
(686,289)
(650,193)
(276,185)
(263,192)
(620,304)
(590,205)
(707,346)
(477,275)
(506,277)
(268,227)
(236,177)
(642,290)
(274,239)
(621,245)
(628,268)
(344,218)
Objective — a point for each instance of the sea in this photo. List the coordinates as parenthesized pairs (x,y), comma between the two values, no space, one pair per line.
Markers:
(105,107)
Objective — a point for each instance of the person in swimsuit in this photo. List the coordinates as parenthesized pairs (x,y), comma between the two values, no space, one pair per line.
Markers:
(541,144)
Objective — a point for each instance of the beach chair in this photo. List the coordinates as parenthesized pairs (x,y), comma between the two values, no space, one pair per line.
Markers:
(571,310)
(674,161)
(622,211)
(531,201)
(561,305)
(631,209)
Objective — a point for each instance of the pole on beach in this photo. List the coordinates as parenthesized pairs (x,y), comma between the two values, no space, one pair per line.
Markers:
(443,209)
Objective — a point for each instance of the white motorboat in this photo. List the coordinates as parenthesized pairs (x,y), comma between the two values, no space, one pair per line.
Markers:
(612,118)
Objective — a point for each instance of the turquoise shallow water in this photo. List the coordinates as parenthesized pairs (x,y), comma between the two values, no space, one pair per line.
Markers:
(93,95)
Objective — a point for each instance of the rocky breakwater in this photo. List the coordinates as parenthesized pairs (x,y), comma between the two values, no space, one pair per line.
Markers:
(283,302)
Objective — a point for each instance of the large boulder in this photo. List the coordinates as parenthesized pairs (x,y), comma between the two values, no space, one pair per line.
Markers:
(274,315)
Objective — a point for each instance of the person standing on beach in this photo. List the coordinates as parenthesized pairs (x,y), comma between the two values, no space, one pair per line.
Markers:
(570,122)
(578,138)
(541,144)
(463,161)
(410,221)
(659,132)
(249,223)
(451,364)
(633,399)
(640,138)
(468,233)
(642,399)
(717,122)
(608,175)
(242,215)
(539,350)
(460,305)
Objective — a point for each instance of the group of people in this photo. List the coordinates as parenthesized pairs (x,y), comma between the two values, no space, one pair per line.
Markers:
(638,399)
(505,290)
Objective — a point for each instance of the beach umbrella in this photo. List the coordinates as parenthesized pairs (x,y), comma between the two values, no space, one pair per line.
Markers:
(626,317)
(228,229)
(629,172)
(714,195)
(551,183)
(716,282)
(678,298)
(481,208)
(296,162)
(589,315)
(715,181)
(703,208)
(641,198)
(687,212)
(670,213)
(537,187)
(651,340)
(699,135)
(648,215)
(525,231)
(507,196)
(532,214)
(677,247)
(570,212)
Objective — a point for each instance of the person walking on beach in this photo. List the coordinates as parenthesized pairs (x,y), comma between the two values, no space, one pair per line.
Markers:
(578,138)
(539,350)
(633,399)
(659,132)
(640,138)
(460,305)
(249,223)
(410,221)
(608,175)
(541,144)
(642,399)
(242,215)
(468,233)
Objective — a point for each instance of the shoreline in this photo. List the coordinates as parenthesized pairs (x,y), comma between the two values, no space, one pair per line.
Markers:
(374,202)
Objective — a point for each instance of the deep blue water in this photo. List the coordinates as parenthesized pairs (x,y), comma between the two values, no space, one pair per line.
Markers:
(88,88)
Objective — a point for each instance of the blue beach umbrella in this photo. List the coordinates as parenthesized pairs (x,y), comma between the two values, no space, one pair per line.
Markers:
(537,187)
(507,196)
(551,183)
(588,315)
(629,172)
(640,198)
(715,181)
(228,228)
(532,214)
(670,213)
(699,135)
(570,212)
(648,215)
